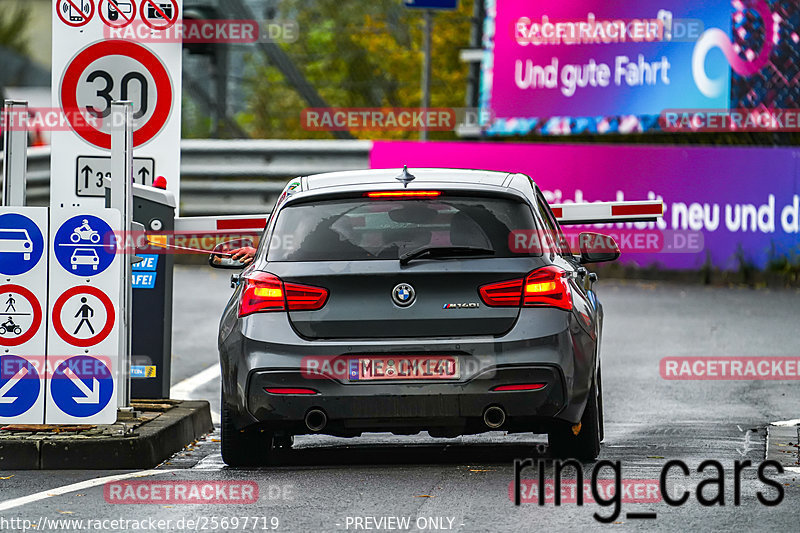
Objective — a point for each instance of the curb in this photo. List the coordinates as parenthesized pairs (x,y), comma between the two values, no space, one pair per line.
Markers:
(782,445)
(151,444)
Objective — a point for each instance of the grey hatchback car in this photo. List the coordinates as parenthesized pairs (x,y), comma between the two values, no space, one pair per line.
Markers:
(399,301)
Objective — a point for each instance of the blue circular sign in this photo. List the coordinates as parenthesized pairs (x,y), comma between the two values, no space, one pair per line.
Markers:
(19,386)
(21,244)
(82,386)
(85,245)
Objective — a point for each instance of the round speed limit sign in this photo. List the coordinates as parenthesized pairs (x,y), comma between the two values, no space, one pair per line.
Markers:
(112,70)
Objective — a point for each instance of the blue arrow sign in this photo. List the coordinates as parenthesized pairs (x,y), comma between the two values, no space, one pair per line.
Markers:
(85,245)
(21,244)
(82,386)
(19,386)
(432,4)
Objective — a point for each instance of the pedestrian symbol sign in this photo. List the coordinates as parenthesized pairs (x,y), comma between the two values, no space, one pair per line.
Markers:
(20,386)
(82,386)
(85,312)
(85,245)
(20,315)
(83,316)
(21,244)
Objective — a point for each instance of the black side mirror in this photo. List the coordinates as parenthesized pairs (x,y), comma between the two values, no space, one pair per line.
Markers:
(220,257)
(597,248)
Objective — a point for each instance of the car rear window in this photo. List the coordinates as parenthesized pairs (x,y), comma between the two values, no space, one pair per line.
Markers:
(362,229)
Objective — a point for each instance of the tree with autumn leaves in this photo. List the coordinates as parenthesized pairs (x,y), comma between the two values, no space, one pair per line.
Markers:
(359,54)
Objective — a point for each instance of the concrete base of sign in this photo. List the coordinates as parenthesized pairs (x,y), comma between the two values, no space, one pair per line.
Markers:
(129,444)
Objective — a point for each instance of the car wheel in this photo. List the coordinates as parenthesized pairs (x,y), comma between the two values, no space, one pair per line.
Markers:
(243,447)
(585,446)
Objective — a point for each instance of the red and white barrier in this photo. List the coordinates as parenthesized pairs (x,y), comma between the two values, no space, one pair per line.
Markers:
(606,212)
(236,224)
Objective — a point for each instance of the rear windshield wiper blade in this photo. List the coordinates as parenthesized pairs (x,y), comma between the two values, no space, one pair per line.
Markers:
(437,252)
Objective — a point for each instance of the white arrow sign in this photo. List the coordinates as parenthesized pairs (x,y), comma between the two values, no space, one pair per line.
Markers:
(21,373)
(90,395)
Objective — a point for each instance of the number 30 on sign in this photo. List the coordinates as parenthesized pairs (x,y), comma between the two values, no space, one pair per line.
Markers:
(116,70)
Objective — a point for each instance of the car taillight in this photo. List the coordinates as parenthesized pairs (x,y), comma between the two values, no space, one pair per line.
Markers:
(265,292)
(287,390)
(547,287)
(305,297)
(544,287)
(502,294)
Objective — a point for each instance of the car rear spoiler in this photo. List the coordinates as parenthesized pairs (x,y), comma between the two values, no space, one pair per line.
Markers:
(608,212)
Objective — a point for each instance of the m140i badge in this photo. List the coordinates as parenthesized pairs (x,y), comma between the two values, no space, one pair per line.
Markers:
(472,305)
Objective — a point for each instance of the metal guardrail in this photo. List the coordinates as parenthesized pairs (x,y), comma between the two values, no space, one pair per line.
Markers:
(221,177)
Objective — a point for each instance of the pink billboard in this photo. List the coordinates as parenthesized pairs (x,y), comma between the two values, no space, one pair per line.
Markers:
(744,201)
(556,67)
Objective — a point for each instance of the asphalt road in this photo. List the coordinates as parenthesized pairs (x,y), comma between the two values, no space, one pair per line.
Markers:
(332,484)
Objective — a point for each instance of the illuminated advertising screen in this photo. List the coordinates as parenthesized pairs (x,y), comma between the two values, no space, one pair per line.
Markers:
(555,67)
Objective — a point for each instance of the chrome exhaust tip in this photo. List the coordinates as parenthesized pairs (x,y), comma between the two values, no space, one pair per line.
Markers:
(316,420)
(494,417)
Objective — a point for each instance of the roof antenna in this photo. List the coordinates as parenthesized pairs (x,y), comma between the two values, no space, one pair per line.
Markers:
(405,177)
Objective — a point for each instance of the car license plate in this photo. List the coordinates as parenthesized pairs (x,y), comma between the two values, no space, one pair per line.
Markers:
(403,367)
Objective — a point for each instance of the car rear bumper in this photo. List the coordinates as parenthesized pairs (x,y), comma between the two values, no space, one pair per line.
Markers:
(546,345)
(455,407)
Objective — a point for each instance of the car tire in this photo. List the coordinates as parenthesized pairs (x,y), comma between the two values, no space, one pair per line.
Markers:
(585,446)
(243,447)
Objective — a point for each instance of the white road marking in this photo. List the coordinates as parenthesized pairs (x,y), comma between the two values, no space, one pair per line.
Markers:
(786,423)
(212,461)
(66,489)
(186,388)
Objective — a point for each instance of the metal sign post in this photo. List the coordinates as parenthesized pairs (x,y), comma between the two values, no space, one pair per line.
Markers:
(429,6)
(426,70)
(15,152)
(122,200)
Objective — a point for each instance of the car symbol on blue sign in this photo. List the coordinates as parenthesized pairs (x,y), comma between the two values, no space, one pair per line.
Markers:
(21,244)
(19,386)
(85,245)
(82,386)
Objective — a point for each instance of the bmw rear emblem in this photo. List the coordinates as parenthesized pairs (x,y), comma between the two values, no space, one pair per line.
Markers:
(404,295)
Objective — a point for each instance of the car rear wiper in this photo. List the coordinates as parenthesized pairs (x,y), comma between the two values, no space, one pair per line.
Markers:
(437,252)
